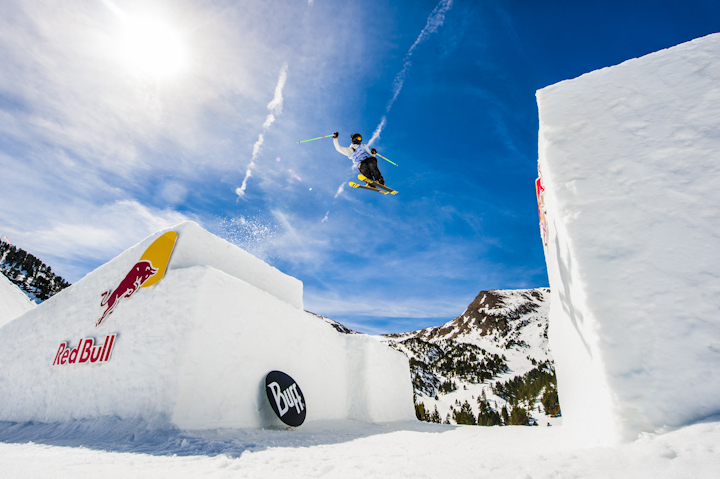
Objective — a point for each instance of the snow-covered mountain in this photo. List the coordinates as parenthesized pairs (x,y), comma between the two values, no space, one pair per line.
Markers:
(490,365)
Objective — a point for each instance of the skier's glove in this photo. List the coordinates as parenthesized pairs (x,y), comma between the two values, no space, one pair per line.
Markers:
(335,135)
(373,151)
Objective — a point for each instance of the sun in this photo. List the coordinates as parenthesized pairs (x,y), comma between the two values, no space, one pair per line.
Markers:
(153,48)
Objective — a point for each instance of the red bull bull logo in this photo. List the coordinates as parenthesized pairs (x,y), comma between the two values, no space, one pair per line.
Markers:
(137,276)
(146,272)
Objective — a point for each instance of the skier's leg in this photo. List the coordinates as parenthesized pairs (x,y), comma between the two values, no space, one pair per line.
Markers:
(372,165)
(365,169)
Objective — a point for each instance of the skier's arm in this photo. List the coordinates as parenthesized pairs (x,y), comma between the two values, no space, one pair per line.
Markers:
(345,150)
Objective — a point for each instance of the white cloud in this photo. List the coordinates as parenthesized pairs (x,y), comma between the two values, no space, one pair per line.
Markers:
(86,233)
(359,304)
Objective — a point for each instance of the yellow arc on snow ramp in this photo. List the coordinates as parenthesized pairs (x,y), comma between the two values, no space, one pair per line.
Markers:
(158,253)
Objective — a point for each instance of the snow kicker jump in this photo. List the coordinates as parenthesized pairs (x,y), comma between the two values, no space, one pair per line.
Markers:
(193,348)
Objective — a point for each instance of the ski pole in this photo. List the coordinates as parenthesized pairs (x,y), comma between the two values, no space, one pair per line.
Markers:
(313,139)
(378,154)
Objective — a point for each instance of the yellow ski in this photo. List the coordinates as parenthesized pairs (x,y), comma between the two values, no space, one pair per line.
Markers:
(376,185)
(365,187)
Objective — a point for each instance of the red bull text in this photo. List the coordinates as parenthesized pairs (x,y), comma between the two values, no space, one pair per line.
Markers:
(86,352)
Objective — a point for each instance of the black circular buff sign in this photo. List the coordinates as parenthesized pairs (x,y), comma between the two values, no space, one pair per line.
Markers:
(286,398)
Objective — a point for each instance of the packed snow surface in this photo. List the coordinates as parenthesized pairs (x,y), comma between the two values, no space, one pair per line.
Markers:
(630,160)
(13,302)
(349,450)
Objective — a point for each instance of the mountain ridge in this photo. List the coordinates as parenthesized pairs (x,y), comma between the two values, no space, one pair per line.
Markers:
(490,365)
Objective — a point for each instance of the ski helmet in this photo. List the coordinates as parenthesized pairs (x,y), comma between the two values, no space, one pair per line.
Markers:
(357,138)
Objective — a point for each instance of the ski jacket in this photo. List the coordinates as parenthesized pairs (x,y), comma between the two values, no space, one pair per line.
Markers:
(357,153)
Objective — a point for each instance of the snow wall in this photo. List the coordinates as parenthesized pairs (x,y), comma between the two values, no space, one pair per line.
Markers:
(194,348)
(630,161)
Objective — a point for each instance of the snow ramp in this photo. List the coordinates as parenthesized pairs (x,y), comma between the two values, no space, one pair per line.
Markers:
(629,158)
(193,348)
(13,302)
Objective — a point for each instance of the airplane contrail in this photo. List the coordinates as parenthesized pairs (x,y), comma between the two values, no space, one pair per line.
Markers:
(275,108)
(434,21)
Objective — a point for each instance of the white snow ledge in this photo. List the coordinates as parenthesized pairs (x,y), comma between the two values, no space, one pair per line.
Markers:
(630,159)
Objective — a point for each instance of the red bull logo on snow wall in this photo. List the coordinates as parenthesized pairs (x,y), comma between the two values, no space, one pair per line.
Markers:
(85,352)
(540,193)
(134,280)
(146,272)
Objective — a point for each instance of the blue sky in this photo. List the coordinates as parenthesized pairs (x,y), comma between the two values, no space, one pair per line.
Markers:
(101,144)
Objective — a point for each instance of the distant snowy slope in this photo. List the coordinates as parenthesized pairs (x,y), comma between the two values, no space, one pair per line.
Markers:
(496,348)
(13,302)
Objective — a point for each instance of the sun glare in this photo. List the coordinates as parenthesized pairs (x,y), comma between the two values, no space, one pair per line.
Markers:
(153,48)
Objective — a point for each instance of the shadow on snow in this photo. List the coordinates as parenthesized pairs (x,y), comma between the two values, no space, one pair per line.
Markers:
(160,438)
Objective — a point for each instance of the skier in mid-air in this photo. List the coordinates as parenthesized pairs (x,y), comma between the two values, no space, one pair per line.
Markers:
(362,158)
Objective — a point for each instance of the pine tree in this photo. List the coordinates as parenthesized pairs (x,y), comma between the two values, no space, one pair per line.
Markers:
(550,402)
(435,416)
(420,412)
(465,415)
(519,417)
(487,415)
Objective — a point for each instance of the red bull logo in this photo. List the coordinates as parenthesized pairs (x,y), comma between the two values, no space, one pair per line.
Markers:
(146,272)
(540,193)
(86,352)
(137,276)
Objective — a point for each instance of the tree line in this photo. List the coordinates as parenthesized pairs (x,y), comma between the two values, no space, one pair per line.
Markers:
(520,393)
(30,274)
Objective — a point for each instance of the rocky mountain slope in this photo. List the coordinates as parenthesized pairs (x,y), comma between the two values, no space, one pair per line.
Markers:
(488,366)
